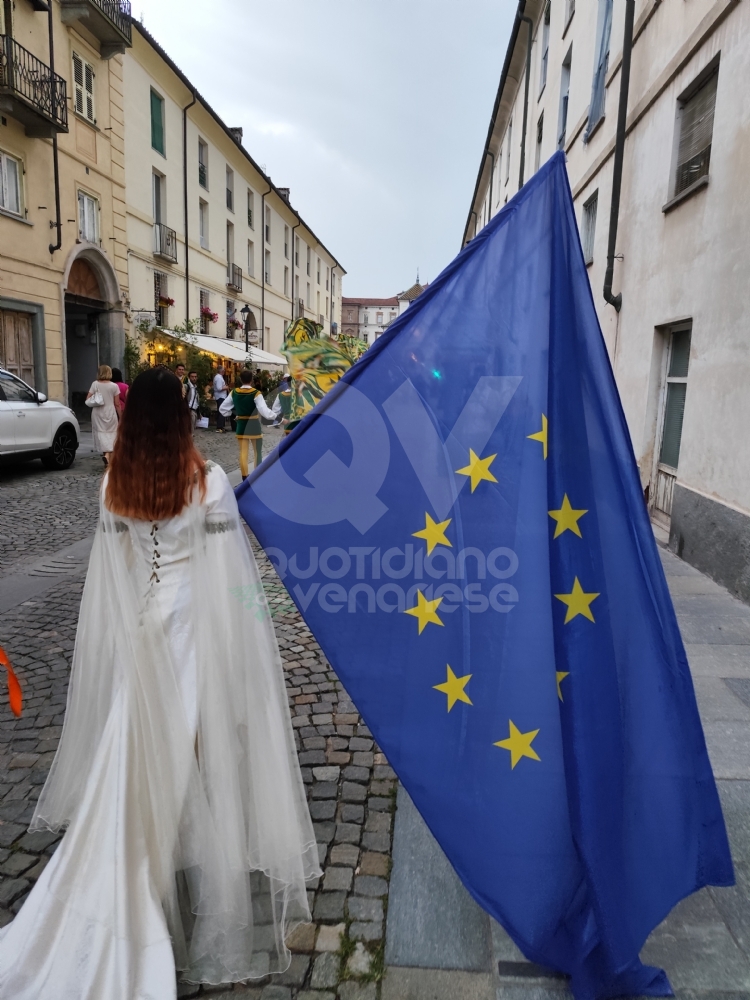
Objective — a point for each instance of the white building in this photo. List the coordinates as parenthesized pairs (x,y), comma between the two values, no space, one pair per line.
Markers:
(208,232)
(680,343)
(369,318)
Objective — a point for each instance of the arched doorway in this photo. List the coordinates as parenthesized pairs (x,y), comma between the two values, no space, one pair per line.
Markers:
(94,332)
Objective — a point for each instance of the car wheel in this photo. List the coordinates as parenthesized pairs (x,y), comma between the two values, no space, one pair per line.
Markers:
(63,451)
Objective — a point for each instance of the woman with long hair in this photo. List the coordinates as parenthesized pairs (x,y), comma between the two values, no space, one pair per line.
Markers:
(189,842)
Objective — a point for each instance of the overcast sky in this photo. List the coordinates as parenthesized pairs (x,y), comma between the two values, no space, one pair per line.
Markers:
(373,112)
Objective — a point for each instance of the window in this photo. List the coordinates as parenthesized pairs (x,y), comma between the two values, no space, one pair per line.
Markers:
(328,273)
(296,286)
(545,49)
(203,164)
(83,80)
(10,184)
(296,251)
(317,303)
(696,125)
(161,308)
(309,260)
(88,218)
(203,223)
(231,314)
(317,260)
(379,319)
(367,319)
(268,224)
(230,189)
(286,281)
(159,201)
(15,391)
(588,226)
(333,283)
(267,267)
(307,297)
(539,134)
(570,9)
(286,242)
(250,209)
(251,258)
(598,89)
(204,299)
(157,122)
(508,148)
(564,93)
(230,243)
(674,406)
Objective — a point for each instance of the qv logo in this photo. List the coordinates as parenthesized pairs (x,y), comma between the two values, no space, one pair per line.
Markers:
(340,492)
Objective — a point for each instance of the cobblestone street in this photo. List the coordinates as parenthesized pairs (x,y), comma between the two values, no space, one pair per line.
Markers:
(351,788)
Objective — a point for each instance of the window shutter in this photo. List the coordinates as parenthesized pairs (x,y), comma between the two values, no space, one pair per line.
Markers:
(673,414)
(81,216)
(696,131)
(78,82)
(89,87)
(157,122)
(10,186)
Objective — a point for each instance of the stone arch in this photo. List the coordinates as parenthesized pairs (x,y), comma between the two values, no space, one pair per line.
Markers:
(101,266)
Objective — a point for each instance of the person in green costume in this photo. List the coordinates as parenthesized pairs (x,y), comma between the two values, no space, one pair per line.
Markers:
(282,405)
(249,406)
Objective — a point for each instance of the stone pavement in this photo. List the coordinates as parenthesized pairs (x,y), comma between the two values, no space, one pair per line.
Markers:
(441,946)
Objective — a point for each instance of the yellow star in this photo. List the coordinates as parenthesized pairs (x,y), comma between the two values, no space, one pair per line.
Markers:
(454,688)
(433,533)
(479,469)
(567,518)
(425,611)
(541,435)
(578,602)
(561,675)
(519,745)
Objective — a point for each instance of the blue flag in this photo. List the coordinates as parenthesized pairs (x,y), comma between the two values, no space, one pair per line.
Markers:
(460,522)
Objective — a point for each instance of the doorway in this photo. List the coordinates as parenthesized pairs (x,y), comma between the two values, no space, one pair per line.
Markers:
(672,409)
(84,305)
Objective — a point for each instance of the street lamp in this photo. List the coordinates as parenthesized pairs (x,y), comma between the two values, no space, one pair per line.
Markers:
(245,313)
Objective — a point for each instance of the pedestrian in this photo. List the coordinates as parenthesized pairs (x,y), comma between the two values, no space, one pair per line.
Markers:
(249,406)
(122,386)
(192,397)
(220,394)
(179,370)
(104,400)
(189,841)
(282,405)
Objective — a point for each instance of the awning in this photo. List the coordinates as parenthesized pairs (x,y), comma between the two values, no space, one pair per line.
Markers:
(234,350)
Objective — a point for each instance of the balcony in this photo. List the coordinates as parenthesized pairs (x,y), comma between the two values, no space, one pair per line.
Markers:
(165,242)
(299,309)
(234,277)
(108,20)
(30,92)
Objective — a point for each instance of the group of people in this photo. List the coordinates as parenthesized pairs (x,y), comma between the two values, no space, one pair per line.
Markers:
(106,398)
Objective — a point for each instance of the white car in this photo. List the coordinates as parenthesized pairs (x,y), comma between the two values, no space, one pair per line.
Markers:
(32,426)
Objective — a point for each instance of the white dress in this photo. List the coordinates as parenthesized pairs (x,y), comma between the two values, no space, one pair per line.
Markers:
(104,418)
(189,841)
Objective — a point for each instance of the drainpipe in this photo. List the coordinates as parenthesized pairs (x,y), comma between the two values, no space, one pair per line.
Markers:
(263,270)
(492,177)
(296,226)
(622,113)
(525,101)
(185,205)
(330,318)
(55,160)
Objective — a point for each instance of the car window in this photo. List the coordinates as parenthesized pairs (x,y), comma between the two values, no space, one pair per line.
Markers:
(15,391)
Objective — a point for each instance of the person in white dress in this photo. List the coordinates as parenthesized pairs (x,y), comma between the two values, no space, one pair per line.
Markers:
(189,842)
(104,417)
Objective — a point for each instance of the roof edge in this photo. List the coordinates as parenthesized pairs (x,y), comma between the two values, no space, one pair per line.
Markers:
(146,34)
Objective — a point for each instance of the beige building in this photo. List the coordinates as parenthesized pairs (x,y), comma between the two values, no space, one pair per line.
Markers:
(63,263)
(209,234)
(368,319)
(678,337)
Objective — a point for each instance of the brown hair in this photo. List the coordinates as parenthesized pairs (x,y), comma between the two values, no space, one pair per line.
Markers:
(155,464)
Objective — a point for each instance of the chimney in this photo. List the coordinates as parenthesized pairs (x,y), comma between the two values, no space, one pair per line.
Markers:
(284,192)
(236,134)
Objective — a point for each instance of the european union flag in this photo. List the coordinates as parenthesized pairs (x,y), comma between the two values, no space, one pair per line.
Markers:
(460,522)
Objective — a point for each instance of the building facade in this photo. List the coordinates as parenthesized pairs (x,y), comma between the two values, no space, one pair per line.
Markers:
(678,342)
(63,255)
(209,234)
(369,318)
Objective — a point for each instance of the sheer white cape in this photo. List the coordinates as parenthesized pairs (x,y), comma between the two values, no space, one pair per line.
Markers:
(189,839)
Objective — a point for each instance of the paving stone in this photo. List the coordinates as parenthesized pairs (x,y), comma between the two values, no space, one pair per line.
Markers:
(10,832)
(363,759)
(350,792)
(361,774)
(376,841)
(348,833)
(329,937)
(365,908)
(382,771)
(366,931)
(350,719)
(295,974)
(338,757)
(17,864)
(11,889)
(375,864)
(323,809)
(274,992)
(324,832)
(38,841)
(325,790)
(313,757)
(329,906)
(369,885)
(346,854)
(302,938)
(325,971)
(359,743)
(187,990)
(338,878)
(360,960)
(315,995)
(326,773)
(378,823)
(315,743)
(378,804)
(24,760)
(352,813)
(357,991)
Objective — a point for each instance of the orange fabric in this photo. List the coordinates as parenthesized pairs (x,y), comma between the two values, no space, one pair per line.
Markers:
(14,688)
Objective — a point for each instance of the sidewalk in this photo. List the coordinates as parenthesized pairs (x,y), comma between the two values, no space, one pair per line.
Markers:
(441,946)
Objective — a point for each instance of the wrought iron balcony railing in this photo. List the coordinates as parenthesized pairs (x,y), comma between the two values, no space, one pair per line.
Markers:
(108,20)
(165,242)
(30,92)
(234,277)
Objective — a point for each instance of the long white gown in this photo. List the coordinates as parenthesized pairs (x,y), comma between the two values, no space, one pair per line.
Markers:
(189,841)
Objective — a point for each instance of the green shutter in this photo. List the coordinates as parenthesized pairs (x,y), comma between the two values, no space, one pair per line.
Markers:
(157,122)
(672,433)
